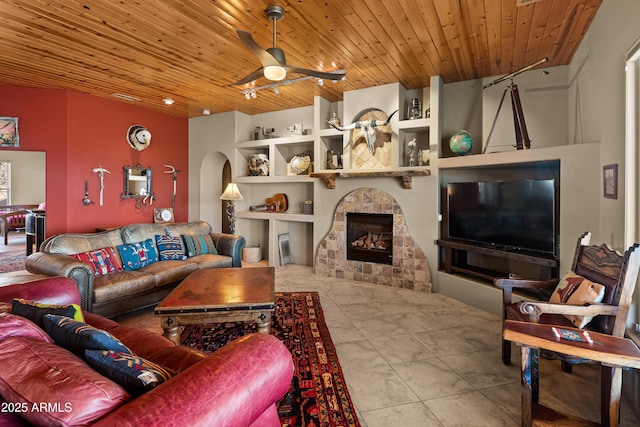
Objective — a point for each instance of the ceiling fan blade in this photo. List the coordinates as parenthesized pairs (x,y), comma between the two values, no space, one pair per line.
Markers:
(249,78)
(265,58)
(326,75)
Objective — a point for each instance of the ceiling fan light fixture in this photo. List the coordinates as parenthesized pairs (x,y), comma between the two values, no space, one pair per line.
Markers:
(275,73)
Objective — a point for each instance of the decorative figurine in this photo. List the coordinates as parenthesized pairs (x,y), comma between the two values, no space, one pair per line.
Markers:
(411,152)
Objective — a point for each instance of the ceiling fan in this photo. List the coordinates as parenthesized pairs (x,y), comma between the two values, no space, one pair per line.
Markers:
(274,66)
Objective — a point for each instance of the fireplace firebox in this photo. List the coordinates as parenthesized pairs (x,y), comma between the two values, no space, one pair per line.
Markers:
(370,237)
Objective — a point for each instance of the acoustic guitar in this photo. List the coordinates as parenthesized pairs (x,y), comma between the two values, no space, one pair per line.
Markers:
(278,203)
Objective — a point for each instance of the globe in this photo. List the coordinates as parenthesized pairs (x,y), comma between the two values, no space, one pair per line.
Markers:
(461,143)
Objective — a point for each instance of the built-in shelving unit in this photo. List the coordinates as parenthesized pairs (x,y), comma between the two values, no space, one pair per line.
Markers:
(329,151)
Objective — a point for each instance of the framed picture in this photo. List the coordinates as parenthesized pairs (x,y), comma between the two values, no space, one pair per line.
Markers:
(285,249)
(162,215)
(9,136)
(610,181)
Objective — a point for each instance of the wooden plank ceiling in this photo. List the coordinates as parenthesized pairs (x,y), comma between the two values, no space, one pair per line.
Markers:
(188,50)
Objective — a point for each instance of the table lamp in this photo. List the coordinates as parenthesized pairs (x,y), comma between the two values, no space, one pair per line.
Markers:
(231,194)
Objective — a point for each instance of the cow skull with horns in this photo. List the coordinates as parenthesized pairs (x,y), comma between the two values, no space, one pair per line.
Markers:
(367,129)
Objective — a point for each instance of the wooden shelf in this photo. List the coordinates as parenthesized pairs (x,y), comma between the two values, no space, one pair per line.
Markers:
(329,178)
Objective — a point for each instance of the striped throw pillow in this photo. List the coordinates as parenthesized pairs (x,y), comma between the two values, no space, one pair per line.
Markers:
(199,244)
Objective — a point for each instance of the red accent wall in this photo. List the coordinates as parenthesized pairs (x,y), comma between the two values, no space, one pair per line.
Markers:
(81,132)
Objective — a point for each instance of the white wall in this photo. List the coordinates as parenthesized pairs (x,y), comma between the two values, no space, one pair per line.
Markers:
(28,176)
(597,101)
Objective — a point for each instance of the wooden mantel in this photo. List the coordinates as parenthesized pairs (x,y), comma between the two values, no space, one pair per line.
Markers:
(329,178)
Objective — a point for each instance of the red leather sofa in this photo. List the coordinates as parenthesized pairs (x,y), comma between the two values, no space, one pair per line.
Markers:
(238,385)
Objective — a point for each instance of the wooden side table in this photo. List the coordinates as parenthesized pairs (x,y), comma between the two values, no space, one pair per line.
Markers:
(613,353)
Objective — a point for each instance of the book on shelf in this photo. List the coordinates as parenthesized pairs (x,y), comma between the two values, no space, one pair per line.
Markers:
(568,334)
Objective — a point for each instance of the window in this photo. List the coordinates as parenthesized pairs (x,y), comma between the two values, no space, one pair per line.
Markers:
(5,183)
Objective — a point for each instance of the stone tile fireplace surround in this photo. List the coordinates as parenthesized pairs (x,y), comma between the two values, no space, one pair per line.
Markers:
(410,269)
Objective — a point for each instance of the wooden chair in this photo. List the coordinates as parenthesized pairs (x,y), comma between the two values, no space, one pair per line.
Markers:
(599,264)
(13,217)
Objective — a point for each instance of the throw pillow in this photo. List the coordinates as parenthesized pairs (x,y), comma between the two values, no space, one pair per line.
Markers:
(137,255)
(103,261)
(576,290)
(35,311)
(200,244)
(133,373)
(18,326)
(170,247)
(78,336)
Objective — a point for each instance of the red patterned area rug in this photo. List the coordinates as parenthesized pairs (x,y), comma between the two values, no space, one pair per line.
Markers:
(318,394)
(12,261)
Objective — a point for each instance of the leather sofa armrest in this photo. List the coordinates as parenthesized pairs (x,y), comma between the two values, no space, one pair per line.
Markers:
(64,265)
(233,386)
(50,290)
(230,245)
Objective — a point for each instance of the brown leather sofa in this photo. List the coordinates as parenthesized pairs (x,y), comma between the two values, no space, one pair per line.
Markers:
(123,291)
(236,386)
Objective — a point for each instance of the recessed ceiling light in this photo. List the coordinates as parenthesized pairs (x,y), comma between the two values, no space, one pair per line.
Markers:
(168,101)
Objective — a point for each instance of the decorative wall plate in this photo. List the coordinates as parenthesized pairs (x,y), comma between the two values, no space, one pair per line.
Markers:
(162,215)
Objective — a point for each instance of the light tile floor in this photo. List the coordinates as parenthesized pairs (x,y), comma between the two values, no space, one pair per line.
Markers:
(415,359)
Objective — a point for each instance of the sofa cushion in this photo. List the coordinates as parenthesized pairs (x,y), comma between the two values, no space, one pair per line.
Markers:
(166,272)
(18,326)
(35,372)
(102,261)
(121,284)
(170,248)
(194,228)
(211,261)
(133,233)
(574,289)
(199,244)
(73,243)
(35,311)
(132,372)
(137,255)
(78,336)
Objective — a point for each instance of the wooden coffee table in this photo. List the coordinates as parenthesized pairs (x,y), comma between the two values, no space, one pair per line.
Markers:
(219,295)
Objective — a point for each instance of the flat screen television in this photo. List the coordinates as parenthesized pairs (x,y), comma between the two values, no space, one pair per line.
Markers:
(518,215)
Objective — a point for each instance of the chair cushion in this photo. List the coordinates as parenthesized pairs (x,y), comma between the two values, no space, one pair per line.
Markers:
(574,289)
(35,372)
(170,248)
(78,336)
(102,261)
(35,311)
(137,255)
(199,245)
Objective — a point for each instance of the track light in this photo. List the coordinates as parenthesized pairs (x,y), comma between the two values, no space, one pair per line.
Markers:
(320,82)
(276,90)
(254,95)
